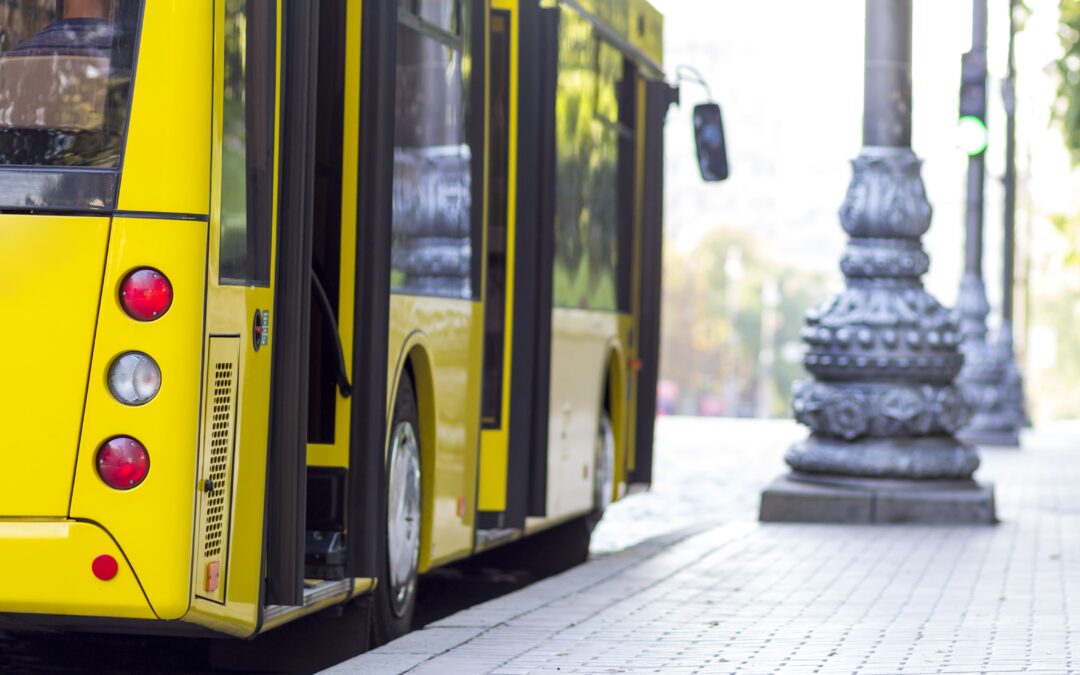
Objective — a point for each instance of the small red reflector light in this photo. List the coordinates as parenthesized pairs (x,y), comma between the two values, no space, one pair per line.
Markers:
(146,294)
(213,576)
(122,462)
(105,567)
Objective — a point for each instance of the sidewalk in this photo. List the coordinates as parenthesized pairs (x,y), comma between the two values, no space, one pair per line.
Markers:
(750,598)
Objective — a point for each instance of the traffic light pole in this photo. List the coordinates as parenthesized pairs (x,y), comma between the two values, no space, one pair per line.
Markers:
(1013,390)
(983,374)
(881,404)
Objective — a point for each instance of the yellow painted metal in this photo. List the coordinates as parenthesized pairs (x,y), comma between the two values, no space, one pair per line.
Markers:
(495,443)
(443,339)
(230,310)
(48,567)
(152,522)
(214,480)
(167,160)
(636,21)
(336,454)
(51,311)
(646,29)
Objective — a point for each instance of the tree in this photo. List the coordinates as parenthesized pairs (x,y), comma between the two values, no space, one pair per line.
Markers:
(1067,111)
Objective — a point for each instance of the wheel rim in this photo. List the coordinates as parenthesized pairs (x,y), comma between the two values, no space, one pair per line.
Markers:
(403,516)
(605,464)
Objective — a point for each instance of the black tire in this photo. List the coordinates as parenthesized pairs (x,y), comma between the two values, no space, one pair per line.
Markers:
(603,470)
(389,621)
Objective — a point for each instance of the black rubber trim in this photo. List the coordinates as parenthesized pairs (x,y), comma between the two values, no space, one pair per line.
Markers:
(546,55)
(520,422)
(366,486)
(626,195)
(162,215)
(13,621)
(287,456)
(657,100)
(476,133)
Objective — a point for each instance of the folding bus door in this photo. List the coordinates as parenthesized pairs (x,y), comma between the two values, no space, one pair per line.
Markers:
(657,100)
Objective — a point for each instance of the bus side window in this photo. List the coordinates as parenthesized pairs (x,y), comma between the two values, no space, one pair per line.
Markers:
(589,133)
(431,252)
(247,144)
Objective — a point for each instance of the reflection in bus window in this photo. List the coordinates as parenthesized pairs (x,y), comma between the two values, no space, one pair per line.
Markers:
(440,14)
(65,75)
(431,253)
(587,152)
(247,143)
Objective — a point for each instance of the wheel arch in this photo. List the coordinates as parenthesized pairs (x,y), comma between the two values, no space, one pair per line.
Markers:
(415,362)
(616,401)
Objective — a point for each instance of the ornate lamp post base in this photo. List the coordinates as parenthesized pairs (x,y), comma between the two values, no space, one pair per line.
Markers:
(993,385)
(803,498)
(883,354)
(918,458)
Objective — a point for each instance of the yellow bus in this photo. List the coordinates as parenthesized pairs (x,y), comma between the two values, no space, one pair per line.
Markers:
(303,299)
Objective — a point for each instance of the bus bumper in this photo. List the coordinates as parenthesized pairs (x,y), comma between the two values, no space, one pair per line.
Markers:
(47,567)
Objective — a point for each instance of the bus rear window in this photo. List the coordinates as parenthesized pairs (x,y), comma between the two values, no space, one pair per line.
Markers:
(65,77)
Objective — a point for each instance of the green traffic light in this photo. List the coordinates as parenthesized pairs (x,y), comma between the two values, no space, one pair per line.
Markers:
(973,135)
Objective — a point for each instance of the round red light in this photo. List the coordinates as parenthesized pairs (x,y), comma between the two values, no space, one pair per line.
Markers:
(105,567)
(122,462)
(146,294)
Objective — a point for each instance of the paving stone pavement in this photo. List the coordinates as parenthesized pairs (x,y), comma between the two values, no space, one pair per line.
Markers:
(744,597)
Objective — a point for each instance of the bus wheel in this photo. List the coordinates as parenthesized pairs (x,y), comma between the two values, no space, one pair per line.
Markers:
(395,594)
(604,471)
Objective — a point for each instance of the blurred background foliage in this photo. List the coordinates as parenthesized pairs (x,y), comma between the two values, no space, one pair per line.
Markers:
(731,326)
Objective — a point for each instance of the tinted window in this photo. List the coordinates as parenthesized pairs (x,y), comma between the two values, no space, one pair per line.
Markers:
(247,144)
(65,77)
(431,252)
(587,155)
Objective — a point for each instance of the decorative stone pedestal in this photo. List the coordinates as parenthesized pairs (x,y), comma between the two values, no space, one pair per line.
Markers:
(883,355)
(803,498)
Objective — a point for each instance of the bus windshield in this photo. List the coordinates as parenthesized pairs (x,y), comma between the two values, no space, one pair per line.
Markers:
(65,78)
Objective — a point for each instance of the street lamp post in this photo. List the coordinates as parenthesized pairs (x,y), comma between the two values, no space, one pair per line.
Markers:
(985,370)
(1013,390)
(881,404)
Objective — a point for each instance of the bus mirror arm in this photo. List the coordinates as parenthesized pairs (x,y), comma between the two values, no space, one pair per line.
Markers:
(328,312)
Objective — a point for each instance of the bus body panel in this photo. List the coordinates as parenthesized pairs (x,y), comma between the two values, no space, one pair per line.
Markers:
(152,522)
(167,160)
(51,561)
(229,312)
(50,283)
(580,341)
(451,342)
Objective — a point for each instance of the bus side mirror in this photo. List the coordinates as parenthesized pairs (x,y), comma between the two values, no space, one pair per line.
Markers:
(711,148)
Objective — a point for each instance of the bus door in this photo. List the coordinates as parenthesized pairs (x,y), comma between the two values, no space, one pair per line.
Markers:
(517,336)
(243,341)
(647,287)
(328,428)
(499,241)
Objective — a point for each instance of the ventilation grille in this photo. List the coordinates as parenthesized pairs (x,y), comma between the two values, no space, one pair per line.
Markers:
(221,425)
(215,467)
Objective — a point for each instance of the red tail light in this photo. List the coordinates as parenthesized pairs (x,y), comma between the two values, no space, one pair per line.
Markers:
(122,462)
(146,294)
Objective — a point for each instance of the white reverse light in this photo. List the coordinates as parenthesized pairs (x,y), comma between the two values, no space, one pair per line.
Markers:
(134,378)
